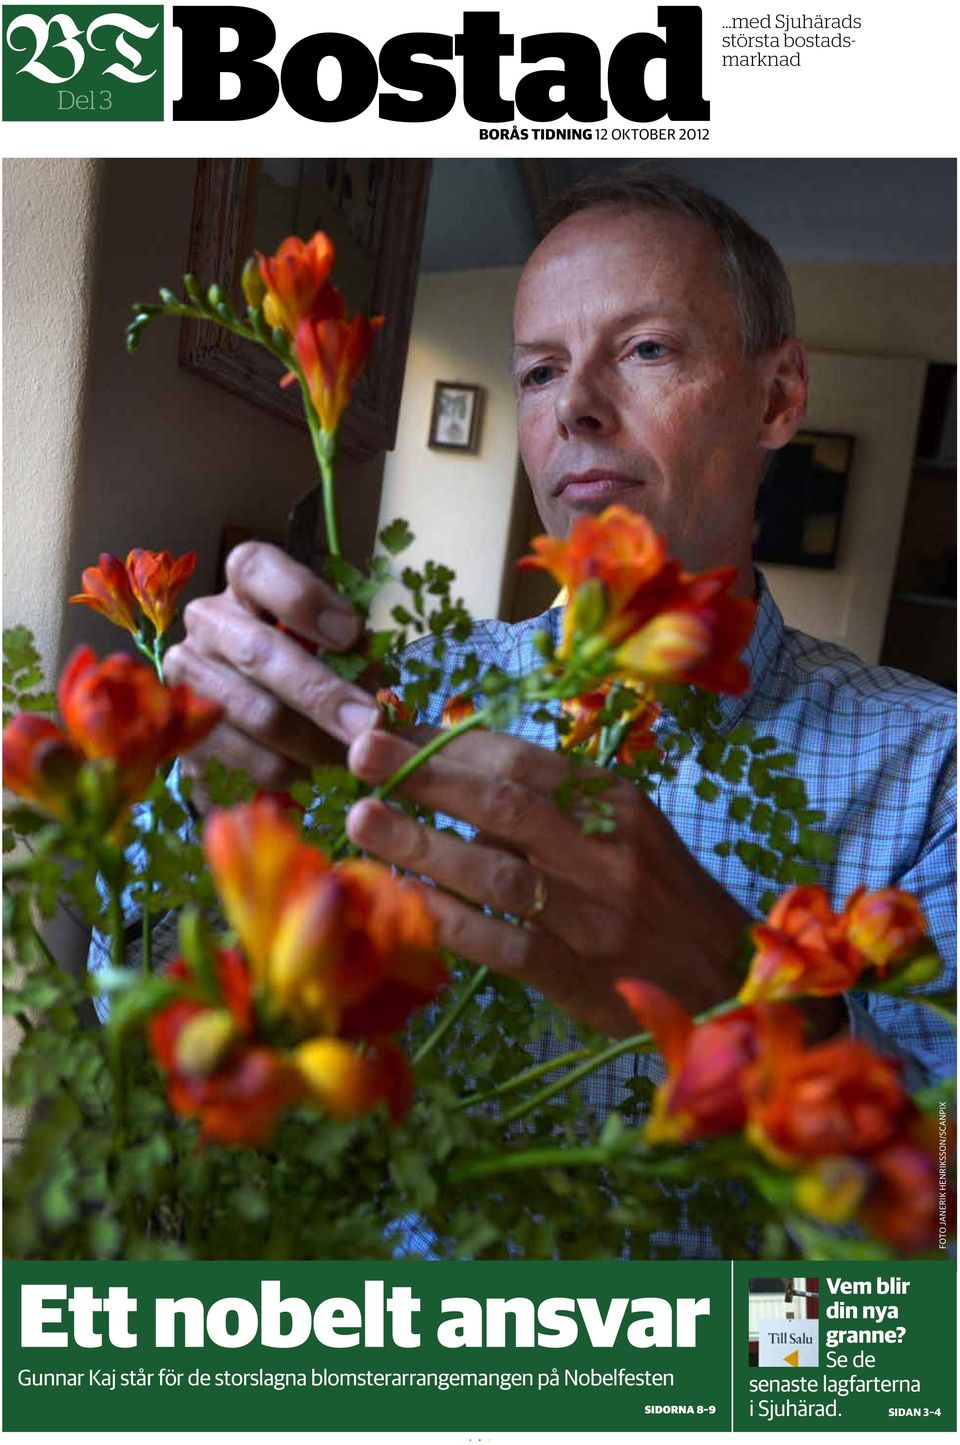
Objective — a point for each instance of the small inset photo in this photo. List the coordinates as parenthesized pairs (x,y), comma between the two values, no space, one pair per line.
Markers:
(784,1321)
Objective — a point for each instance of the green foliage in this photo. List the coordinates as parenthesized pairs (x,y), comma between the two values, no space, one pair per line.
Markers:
(24,687)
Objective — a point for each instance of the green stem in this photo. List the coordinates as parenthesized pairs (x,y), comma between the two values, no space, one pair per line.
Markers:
(527,1077)
(324,444)
(532,1159)
(204,313)
(638,1043)
(446,1023)
(441,740)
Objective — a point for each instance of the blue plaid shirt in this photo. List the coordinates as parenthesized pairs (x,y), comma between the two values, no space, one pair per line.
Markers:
(876,751)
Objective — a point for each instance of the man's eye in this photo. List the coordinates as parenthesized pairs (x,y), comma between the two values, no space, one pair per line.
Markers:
(538,375)
(650,350)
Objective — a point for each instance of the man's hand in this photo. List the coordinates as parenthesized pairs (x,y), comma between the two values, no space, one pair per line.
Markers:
(283,707)
(634,902)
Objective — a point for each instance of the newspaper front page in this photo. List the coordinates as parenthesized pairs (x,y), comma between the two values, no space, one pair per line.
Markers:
(450,998)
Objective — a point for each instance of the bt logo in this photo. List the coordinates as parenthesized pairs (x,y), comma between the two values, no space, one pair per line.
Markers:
(49,53)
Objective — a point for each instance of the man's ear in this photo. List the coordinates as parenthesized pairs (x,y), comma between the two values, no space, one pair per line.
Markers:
(786,378)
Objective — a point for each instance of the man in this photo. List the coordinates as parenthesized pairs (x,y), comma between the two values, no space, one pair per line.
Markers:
(656,366)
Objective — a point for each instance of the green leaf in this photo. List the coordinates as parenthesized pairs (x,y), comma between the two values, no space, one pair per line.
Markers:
(396,537)
(707,790)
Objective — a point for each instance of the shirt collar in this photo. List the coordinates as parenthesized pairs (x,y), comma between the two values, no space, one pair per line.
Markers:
(760,654)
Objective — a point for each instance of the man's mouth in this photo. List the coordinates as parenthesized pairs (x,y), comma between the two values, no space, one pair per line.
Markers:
(599,484)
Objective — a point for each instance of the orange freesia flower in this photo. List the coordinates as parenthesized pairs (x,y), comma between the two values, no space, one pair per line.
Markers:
(347,949)
(833,1189)
(294,278)
(885,927)
(115,712)
(118,711)
(806,948)
(620,550)
(803,948)
(393,707)
(903,1207)
(584,713)
(704,1093)
(346,1082)
(665,625)
(697,637)
(156,581)
(40,763)
(457,709)
(332,350)
(215,1071)
(837,1098)
(107,590)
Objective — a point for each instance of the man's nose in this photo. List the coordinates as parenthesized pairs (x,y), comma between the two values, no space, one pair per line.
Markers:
(584,406)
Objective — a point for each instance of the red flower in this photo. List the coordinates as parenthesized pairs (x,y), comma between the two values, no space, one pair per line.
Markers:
(332,350)
(118,711)
(696,637)
(156,581)
(40,763)
(346,1082)
(349,949)
(237,1088)
(903,1207)
(585,712)
(457,709)
(704,1093)
(294,278)
(394,709)
(803,948)
(806,948)
(885,927)
(910,1205)
(107,590)
(665,625)
(838,1098)
(618,550)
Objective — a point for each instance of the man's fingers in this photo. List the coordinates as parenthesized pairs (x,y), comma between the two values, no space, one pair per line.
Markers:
(487,875)
(249,709)
(266,581)
(490,800)
(235,750)
(260,652)
(536,959)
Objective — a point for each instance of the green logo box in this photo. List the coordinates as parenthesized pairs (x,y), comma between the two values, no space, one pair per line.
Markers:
(344,1346)
(82,62)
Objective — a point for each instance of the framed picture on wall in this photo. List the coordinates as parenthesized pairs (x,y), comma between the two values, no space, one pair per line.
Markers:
(800,502)
(455,420)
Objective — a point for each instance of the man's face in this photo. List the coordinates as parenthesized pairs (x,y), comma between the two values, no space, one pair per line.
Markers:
(632,383)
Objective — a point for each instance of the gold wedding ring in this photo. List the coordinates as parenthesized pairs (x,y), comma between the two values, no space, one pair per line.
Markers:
(540,896)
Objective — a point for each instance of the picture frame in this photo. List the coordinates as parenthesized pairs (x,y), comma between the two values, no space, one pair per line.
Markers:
(456,416)
(376,213)
(801,499)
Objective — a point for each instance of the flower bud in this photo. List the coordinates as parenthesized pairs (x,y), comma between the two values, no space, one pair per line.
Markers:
(204,1042)
(252,284)
(832,1190)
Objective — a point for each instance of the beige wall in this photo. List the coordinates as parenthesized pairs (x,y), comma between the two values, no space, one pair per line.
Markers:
(49,209)
(459,506)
